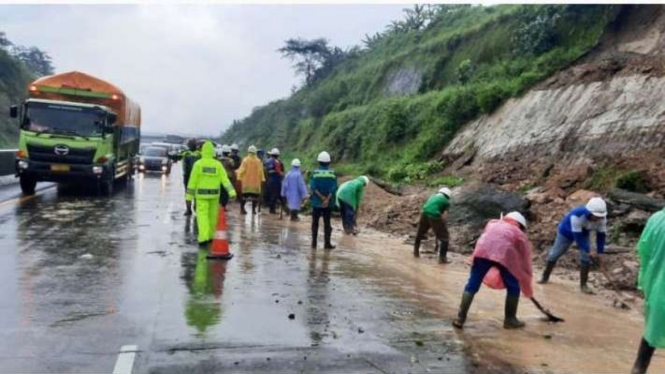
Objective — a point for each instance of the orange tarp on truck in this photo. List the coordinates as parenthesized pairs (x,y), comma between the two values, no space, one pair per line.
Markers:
(83,88)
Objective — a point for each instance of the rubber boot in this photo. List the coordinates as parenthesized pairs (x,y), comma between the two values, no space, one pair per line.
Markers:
(188,205)
(242,207)
(416,247)
(467,299)
(643,359)
(328,238)
(584,278)
(511,321)
(253,207)
(443,252)
(546,274)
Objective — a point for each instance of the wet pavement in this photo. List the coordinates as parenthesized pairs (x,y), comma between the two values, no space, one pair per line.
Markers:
(84,276)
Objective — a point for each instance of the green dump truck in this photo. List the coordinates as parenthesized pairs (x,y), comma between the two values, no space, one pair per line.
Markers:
(76,128)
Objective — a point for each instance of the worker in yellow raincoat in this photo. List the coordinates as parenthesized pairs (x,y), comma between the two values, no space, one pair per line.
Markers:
(204,185)
(251,176)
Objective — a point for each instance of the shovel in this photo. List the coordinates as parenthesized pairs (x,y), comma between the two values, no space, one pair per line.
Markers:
(550,317)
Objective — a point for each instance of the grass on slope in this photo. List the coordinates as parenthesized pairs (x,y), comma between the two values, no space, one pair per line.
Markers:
(349,113)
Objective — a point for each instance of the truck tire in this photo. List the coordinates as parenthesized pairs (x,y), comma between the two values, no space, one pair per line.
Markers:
(28,185)
(105,183)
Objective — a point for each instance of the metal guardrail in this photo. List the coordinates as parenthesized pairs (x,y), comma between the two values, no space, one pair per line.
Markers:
(7,159)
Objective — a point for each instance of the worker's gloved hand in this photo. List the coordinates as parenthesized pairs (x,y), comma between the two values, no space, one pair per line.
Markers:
(233,195)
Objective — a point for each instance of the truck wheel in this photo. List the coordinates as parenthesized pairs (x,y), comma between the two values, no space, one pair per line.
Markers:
(28,185)
(105,184)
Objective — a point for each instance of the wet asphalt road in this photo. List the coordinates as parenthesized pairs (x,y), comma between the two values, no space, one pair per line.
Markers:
(83,276)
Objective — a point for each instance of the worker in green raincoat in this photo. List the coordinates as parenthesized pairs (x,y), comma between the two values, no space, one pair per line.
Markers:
(349,196)
(651,249)
(204,185)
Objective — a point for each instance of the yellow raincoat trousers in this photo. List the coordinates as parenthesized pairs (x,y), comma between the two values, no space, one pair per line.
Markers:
(204,184)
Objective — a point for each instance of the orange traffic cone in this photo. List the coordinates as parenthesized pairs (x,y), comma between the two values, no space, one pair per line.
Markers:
(220,245)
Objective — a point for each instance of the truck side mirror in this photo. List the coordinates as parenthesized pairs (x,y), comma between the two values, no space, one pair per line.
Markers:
(13,111)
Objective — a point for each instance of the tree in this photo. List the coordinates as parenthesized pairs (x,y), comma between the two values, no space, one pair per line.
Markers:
(315,59)
(4,42)
(37,61)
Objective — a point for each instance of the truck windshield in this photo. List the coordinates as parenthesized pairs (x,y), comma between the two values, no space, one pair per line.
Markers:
(155,152)
(64,119)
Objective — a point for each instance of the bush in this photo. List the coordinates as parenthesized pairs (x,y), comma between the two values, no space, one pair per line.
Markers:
(635,181)
(450,181)
(413,172)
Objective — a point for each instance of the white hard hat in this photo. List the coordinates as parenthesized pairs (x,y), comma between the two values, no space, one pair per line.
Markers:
(234,147)
(295,162)
(445,191)
(251,149)
(517,216)
(226,148)
(323,157)
(365,179)
(274,152)
(597,207)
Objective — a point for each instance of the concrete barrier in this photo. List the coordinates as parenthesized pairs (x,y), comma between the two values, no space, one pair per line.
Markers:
(7,159)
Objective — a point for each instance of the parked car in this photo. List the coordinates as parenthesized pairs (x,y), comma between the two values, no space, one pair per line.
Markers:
(155,159)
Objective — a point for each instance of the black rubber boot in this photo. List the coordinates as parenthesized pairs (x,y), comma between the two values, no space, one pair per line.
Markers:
(328,238)
(443,252)
(467,299)
(416,247)
(584,278)
(511,321)
(253,207)
(548,271)
(644,355)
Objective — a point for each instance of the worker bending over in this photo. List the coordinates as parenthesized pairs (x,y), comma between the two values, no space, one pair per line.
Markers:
(576,227)
(434,215)
(501,259)
(349,196)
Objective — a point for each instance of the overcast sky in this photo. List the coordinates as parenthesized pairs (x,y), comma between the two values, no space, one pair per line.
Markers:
(192,68)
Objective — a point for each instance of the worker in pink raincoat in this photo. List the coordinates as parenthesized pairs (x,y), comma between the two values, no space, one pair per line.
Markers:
(501,259)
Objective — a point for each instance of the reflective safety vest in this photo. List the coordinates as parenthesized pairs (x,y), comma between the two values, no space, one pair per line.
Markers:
(207,176)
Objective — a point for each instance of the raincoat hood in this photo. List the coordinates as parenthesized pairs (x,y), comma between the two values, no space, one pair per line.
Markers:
(207,151)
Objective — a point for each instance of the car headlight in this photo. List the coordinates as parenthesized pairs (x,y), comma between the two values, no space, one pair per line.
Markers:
(164,161)
(97,169)
(164,168)
(141,159)
(23,164)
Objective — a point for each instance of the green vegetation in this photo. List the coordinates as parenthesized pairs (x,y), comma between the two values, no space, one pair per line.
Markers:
(635,181)
(603,179)
(19,65)
(447,180)
(607,177)
(391,106)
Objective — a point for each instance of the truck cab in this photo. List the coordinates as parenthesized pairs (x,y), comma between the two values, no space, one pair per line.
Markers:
(75,128)
(63,141)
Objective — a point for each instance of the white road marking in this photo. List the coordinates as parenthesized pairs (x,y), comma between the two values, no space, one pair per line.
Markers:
(125,361)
